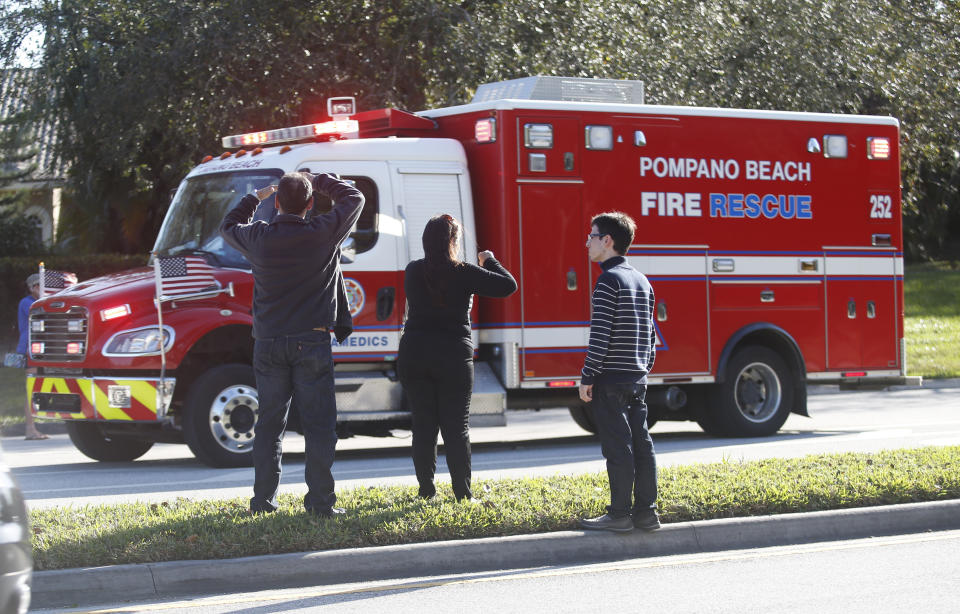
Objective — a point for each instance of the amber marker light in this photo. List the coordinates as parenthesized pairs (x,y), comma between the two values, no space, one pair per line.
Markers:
(114,312)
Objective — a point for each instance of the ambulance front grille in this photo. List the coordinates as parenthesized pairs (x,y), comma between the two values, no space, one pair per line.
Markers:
(59,337)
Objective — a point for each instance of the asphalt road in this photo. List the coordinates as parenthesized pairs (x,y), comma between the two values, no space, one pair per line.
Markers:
(905,573)
(54,473)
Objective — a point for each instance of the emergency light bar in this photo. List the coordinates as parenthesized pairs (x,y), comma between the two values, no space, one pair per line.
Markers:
(341,128)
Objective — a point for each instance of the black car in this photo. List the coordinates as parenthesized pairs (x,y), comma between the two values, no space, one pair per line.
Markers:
(16,560)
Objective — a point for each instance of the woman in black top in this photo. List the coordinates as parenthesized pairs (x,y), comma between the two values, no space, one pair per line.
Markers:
(436,351)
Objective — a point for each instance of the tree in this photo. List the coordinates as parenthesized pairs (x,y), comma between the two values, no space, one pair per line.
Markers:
(142,89)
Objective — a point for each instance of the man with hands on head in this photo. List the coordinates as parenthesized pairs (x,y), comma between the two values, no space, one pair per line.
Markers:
(620,354)
(298,300)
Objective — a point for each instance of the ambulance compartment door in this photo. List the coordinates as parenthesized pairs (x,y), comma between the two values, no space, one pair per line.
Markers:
(427,189)
(861,300)
(554,279)
(678,274)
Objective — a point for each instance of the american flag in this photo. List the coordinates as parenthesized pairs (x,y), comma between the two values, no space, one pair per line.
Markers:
(55,281)
(180,275)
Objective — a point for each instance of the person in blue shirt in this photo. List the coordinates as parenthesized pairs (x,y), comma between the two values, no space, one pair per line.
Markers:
(23,324)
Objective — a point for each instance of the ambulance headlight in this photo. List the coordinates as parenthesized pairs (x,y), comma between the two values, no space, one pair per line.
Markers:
(139,342)
(834,146)
(600,137)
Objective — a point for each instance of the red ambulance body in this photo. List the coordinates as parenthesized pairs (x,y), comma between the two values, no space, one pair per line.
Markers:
(772,240)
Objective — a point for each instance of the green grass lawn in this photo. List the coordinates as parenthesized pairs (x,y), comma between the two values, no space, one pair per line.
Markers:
(186,529)
(13,396)
(932,319)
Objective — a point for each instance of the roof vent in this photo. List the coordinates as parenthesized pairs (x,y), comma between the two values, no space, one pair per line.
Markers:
(573,89)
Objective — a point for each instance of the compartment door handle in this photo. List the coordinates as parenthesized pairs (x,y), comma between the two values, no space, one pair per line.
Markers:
(385,301)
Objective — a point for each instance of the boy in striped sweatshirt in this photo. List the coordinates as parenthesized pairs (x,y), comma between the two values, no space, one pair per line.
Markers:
(614,378)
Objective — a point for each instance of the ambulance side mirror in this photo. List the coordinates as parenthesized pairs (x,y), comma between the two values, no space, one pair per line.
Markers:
(348,251)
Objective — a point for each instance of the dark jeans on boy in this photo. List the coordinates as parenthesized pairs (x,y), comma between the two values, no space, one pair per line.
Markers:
(620,414)
(295,371)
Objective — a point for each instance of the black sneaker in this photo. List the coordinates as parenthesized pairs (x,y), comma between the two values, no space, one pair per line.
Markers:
(607,523)
(647,521)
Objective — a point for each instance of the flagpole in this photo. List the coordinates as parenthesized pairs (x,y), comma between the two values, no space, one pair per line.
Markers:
(163,354)
(42,280)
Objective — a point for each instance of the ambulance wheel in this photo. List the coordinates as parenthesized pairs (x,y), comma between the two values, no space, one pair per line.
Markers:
(90,439)
(755,398)
(583,416)
(220,412)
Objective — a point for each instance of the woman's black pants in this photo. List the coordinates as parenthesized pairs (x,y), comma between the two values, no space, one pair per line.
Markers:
(436,370)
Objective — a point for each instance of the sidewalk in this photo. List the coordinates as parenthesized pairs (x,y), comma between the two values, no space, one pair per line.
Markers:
(85,587)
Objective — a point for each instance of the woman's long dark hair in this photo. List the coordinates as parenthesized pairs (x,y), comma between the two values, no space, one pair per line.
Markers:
(441,241)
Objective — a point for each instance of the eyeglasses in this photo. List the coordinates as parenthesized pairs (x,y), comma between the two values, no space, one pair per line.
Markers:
(596,235)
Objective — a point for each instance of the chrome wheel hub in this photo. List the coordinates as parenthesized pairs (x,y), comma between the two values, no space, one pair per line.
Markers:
(758,392)
(233,415)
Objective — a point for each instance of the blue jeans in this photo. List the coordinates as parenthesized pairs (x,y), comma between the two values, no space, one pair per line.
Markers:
(295,371)
(620,414)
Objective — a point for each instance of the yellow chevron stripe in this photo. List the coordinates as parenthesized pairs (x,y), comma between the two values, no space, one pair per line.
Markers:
(144,392)
(58,385)
(86,387)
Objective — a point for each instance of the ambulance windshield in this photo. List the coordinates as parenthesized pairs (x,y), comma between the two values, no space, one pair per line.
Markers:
(193,220)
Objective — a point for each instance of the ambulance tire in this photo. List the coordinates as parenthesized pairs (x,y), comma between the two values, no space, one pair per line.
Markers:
(90,439)
(583,416)
(220,412)
(755,398)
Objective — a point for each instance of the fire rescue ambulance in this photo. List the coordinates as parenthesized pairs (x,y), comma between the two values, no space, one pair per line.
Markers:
(772,240)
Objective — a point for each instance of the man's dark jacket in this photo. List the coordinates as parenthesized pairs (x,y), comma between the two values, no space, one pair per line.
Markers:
(297,282)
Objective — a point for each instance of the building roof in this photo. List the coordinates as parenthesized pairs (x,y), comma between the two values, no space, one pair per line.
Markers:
(14,99)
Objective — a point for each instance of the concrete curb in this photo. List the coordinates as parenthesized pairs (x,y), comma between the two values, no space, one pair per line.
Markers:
(94,585)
